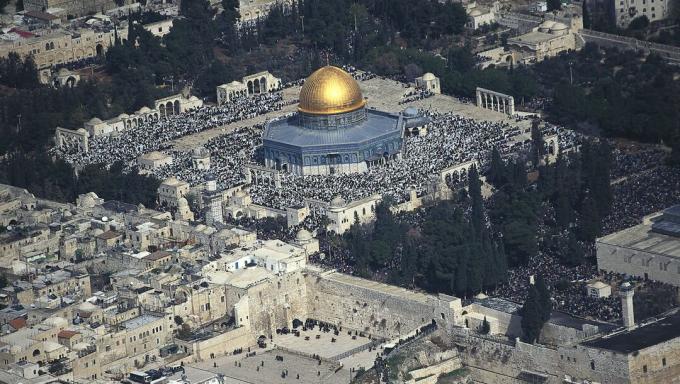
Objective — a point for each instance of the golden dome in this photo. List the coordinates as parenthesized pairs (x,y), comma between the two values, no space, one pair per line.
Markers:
(330,90)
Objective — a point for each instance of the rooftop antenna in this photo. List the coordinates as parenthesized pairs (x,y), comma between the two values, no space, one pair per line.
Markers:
(328,61)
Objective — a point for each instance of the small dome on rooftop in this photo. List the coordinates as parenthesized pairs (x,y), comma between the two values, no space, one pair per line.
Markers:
(303,235)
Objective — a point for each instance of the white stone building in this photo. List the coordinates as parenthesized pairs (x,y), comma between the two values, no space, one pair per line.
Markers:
(626,11)
(257,83)
(650,250)
(429,82)
(342,215)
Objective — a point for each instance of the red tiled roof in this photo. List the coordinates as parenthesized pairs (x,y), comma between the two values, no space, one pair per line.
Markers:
(18,323)
(66,334)
(21,33)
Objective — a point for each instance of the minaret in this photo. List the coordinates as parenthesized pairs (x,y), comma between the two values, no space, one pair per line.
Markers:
(626,291)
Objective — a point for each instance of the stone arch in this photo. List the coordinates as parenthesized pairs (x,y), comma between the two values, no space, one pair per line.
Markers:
(176,111)
(169,108)
(263,85)
(256,85)
(100,49)
(36,352)
(250,87)
(161,108)
(71,82)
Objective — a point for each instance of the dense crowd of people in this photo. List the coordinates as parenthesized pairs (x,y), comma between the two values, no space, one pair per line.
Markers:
(153,135)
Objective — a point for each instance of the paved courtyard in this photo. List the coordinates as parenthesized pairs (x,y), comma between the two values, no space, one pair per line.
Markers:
(323,346)
(265,368)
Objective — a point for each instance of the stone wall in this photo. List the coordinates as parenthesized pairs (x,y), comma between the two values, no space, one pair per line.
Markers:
(493,360)
(275,303)
(222,344)
(378,309)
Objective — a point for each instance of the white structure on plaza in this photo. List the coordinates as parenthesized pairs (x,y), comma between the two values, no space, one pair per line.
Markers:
(480,15)
(598,289)
(96,127)
(341,214)
(650,250)
(200,158)
(159,28)
(65,78)
(229,92)
(153,160)
(429,82)
(176,104)
(261,82)
(495,101)
(76,139)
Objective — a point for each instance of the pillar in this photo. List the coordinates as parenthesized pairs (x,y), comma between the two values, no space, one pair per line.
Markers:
(512,106)
(626,292)
(479,98)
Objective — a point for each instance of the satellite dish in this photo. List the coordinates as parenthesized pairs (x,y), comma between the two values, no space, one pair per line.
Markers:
(105,218)
(9,227)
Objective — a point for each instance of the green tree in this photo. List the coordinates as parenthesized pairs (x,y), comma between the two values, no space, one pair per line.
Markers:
(532,316)
(588,225)
(543,298)
(486,327)
(554,5)
(537,144)
(497,169)
(638,23)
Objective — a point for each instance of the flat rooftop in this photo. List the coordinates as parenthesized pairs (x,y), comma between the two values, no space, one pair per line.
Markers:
(645,336)
(532,38)
(641,238)
(240,278)
(140,321)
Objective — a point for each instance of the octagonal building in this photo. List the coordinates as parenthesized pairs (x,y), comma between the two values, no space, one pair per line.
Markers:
(333,131)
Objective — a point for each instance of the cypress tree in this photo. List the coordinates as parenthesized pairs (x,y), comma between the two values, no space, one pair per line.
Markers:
(475,192)
(531,316)
(544,298)
(497,170)
(589,220)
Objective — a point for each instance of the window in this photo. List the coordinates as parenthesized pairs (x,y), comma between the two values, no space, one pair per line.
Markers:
(592,365)
(644,368)
(663,361)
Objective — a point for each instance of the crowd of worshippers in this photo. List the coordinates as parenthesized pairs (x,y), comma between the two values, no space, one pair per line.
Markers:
(153,135)
(415,95)
(451,140)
